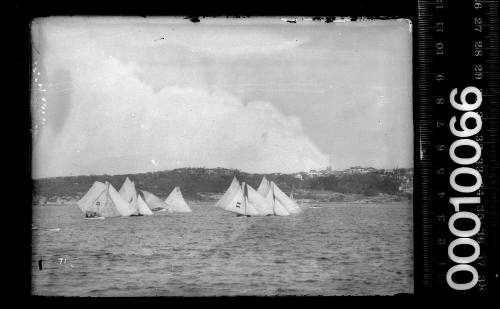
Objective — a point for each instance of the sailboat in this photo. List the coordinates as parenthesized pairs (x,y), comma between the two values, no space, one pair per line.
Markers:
(102,201)
(175,201)
(153,202)
(236,200)
(128,192)
(246,201)
(233,200)
(283,199)
(263,206)
(282,204)
(89,201)
(265,189)
(228,194)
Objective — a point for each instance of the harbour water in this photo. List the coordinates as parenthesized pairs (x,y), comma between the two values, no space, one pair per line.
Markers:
(328,249)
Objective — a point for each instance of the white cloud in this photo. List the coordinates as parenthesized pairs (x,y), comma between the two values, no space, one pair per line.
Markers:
(352,93)
(118,124)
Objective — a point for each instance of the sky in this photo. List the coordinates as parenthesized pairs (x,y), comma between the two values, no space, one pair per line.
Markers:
(130,95)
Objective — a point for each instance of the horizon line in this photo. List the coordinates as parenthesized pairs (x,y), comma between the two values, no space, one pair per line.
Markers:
(212,168)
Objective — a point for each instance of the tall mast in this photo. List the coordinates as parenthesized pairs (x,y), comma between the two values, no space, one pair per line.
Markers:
(244,198)
(274,200)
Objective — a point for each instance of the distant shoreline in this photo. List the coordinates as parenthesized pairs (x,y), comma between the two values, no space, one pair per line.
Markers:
(302,196)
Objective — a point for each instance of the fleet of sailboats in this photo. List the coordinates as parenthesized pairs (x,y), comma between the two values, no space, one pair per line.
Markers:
(103,201)
(268,200)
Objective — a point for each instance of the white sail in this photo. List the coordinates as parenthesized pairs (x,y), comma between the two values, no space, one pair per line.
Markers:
(123,207)
(153,202)
(142,207)
(270,198)
(228,194)
(105,207)
(98,202)
(88,200)
(278,208)
(258,202)
(250,209)
(127,191)
(175,201)
(264,186)
(290,205)
(236,202)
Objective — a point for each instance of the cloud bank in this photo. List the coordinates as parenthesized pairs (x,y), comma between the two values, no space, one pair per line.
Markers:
(140,94)
(118,124)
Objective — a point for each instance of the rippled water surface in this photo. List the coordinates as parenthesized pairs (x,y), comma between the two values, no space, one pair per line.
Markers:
(339,249)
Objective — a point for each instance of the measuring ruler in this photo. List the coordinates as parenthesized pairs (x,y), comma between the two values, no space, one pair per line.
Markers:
(457,136)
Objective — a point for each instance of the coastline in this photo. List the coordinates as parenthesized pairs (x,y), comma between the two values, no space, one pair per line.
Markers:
(302,196)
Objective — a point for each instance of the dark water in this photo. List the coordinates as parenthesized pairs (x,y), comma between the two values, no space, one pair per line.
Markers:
(339,249)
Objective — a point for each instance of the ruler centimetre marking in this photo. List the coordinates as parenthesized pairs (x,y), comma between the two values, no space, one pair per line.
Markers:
(457,208)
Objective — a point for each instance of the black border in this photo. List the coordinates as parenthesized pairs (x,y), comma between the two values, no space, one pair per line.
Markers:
(23,14)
